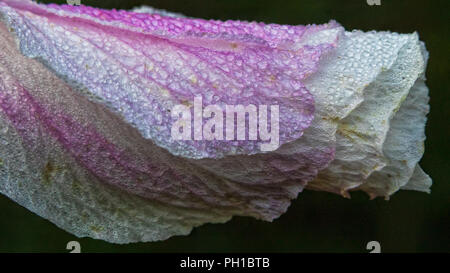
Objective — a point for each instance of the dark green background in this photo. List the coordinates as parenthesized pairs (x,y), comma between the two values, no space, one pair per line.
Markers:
(316,221)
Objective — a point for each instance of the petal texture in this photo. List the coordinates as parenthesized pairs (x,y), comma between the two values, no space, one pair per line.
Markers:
(85,116)
(142,67)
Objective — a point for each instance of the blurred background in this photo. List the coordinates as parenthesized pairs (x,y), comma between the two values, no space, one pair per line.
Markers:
(316,221)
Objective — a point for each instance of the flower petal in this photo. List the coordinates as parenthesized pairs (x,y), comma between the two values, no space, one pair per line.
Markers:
(85,137)
(142,66)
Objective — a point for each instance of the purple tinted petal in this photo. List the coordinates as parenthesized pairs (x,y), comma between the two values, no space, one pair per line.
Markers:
(141,65)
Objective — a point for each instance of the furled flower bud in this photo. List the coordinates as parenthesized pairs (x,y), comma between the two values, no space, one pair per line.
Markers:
(130,126)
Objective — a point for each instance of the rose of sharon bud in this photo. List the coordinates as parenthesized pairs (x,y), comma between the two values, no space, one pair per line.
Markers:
(86,100)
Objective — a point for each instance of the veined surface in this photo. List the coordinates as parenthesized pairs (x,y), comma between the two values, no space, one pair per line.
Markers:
(85,132)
